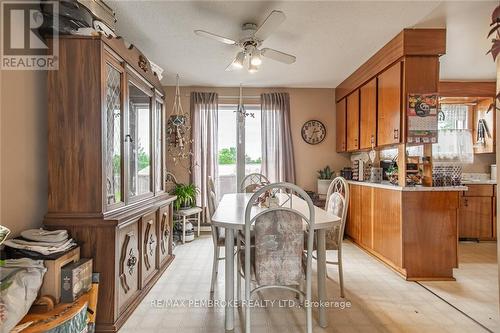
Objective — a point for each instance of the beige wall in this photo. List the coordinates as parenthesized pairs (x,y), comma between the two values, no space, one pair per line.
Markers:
(481,163)
(305,104)
(23,141)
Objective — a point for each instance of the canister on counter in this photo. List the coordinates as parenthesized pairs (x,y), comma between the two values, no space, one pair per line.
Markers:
(376,175)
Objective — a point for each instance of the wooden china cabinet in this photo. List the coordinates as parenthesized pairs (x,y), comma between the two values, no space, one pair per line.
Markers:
(106,168)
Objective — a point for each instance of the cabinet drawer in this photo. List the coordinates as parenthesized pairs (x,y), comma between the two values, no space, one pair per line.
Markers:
(128,264)
(479,191)
(149,241)
(164,233)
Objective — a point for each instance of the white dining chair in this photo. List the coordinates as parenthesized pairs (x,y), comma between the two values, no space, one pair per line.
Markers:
(276,260)
(337,203)
(218,237)
(252,182)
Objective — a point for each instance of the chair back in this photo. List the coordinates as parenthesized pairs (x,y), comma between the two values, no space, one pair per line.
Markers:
(211,187)
(252,182)
(337,203)
(212,204)
(279,237)
(170,182)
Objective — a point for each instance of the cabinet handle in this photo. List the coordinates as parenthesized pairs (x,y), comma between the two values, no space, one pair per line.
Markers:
(396,134)
(128,138)
(466,202)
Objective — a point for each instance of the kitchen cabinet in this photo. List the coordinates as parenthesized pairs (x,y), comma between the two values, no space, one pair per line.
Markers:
(389,106)
(353,226)
(488,130)
(475,218)
(368,115)
(352,120)
(340,112)
(477,212)
(414,232)
(387,225)
(366,232)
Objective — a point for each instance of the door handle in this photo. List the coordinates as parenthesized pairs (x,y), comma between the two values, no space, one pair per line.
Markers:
(396,134)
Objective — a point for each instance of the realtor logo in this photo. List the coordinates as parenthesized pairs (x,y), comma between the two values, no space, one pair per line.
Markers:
(22,45)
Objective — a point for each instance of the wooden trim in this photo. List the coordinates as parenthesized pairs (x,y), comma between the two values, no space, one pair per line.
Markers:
(409,42)
(467,88)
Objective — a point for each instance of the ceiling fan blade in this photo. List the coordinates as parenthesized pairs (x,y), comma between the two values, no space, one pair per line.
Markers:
(278,56)
(270,24)
(218,38)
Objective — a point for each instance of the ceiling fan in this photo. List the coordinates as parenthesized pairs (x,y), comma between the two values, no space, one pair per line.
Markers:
(250,42)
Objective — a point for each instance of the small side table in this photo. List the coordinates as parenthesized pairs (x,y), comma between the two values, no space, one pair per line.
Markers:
(185,215)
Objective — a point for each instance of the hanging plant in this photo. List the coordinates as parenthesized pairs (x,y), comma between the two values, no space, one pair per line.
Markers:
(178,133)
(495,46)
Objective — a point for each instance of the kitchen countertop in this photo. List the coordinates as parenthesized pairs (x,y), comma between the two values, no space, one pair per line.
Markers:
(418,188)
(479,182)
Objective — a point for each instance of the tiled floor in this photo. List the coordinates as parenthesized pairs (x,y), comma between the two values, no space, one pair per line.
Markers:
(381,301)
(475,290)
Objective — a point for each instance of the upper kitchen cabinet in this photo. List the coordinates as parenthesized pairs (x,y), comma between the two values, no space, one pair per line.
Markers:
(389,106)
(341,125)
(483,127)
(353,121)
(368,115)
(409,63)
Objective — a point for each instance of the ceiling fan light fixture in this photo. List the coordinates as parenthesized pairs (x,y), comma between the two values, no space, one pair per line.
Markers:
(256,58)
(252,68)
(238,61)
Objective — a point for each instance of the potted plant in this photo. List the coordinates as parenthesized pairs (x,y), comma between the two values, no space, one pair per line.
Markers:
(325,177)
(186,196)
(392,174)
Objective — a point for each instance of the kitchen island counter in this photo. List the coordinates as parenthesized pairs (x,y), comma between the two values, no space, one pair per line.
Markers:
(418,188)
(412,231)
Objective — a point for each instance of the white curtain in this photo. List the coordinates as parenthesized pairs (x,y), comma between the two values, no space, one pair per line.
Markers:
(453,146)
(454,138)
(277,147)
(204,113)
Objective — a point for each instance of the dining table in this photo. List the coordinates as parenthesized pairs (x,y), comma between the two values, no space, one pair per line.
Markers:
(230,215)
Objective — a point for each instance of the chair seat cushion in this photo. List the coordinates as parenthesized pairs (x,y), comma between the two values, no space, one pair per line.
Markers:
(331,239)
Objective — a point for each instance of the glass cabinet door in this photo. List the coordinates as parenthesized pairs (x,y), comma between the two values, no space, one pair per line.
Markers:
(113,146)
(159,146)
(138,137)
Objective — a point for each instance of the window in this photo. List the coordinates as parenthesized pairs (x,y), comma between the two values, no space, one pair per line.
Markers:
(453,117)
(239,146)
(454,138)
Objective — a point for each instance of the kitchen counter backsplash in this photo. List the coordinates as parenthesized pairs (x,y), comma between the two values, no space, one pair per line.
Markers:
(477,178)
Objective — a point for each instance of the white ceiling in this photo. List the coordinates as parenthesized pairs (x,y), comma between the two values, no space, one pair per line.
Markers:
(330,38)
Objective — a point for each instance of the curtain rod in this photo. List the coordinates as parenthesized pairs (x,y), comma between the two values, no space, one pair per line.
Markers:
(233,97)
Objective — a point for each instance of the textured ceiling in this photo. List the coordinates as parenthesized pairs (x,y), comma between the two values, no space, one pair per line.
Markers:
(330,38)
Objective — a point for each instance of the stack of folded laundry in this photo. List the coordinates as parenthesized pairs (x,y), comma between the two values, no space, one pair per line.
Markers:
(41,243)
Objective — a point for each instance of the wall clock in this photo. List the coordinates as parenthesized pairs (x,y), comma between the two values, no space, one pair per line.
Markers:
(313,132)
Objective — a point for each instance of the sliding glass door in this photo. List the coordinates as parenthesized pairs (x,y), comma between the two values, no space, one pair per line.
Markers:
(239,145)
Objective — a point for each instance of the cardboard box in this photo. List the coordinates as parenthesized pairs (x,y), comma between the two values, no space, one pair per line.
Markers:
(52,279)
(76,279)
